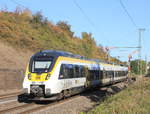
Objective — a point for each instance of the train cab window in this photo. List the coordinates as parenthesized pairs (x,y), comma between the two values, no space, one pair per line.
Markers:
(40,64)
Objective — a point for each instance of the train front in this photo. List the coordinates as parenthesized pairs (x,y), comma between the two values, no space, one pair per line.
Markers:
(38,75)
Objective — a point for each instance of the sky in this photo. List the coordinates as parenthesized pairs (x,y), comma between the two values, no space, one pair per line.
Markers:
(105,19)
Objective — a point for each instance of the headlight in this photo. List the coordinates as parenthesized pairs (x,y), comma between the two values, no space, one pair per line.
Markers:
(29,76)
(48,92)
(47,77)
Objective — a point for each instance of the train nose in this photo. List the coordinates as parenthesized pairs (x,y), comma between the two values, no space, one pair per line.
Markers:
(37,90)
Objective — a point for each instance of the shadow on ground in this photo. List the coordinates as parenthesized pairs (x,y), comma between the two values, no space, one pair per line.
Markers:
(101,94)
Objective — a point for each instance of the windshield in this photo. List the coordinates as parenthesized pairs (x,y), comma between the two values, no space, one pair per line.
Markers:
(41,65)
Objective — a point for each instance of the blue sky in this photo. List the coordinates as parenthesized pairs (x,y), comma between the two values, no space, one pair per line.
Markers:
(112,26)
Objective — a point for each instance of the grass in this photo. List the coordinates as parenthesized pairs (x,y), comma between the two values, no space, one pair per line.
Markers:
(133,100)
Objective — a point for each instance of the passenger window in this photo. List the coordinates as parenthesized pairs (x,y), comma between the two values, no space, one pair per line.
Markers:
(77,71)
(104,74)
(101,74)
(82,69)
(70,71)
(116,74)
(62,72)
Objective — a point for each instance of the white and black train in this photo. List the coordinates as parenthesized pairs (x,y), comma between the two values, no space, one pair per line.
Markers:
(61,74)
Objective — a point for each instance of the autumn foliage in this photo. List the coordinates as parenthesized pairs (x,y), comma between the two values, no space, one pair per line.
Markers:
(22,29)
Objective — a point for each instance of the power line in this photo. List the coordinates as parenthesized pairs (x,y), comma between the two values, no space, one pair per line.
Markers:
(87,18)
(83,12)
(17,3)
(128,14)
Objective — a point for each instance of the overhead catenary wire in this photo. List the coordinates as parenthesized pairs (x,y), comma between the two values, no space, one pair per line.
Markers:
(17,3)
(128,14)
(88,18)
(83,12)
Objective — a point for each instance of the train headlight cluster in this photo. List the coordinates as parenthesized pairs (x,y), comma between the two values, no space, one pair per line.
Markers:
(29,76)
(48,92)
(47,77)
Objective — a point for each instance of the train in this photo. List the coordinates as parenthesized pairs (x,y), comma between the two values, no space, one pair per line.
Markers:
(58,74)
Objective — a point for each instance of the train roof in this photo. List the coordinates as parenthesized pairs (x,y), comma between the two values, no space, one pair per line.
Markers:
(56,53)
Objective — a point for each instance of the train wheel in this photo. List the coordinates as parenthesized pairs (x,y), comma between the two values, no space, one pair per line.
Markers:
(65,93)
(60,96)
(68,93)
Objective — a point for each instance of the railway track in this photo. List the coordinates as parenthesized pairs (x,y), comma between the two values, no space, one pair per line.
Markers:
(18,109)
(56,103)
(33,107)
(39,106)
(5,98)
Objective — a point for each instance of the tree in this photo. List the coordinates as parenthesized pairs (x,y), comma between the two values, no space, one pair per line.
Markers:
(38,17)
(88,44)
(65,27)
(135,66)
